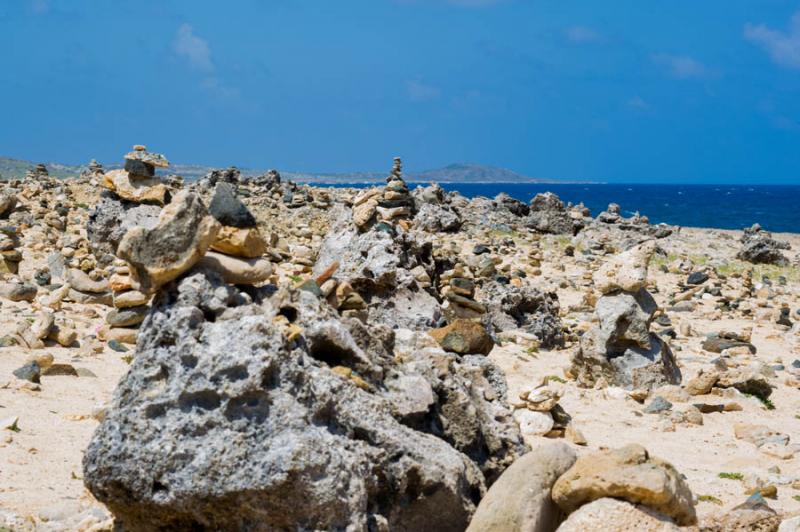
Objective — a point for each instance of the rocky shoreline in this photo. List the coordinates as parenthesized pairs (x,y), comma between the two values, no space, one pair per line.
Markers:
(247,353)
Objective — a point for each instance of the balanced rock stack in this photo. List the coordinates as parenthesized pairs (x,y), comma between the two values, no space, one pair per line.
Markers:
(458,291)
(621,350)
(39,171)
(130,306)
(93,170)
(137,182)
(238,246)
(10,256)
(384,205)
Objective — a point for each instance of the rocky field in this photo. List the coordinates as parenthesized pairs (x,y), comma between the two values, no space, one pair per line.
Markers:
(251,354)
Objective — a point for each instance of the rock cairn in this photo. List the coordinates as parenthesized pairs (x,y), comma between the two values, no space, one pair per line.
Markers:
(384,206)
(93,170)
(238,246)
(10,256)
(621,350)
(37,172)
(137,181)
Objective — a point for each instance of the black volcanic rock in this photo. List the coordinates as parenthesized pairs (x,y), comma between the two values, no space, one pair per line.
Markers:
(229,209)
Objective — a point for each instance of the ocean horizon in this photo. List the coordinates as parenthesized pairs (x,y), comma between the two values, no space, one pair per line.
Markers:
(774,207)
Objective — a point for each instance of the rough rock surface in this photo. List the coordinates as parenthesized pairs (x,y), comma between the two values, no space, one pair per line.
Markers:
(523,307)
(520,499)
(182,236)
(759,247)
(628,473)
(548,215)
(627,271)
(111,218)
(612,515)
(225,423)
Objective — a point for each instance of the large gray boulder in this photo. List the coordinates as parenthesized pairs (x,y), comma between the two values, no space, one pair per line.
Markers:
(223,423)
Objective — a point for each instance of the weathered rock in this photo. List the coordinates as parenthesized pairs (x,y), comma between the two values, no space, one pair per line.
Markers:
(523,307)
(86,298)
(82,282)
(111,219)
(228,209)
(759,247)
(746,381)
(621,350)
(519,501)
(127,317)
(548,215)
(752,515)
(7,203)
(131,298)
(136,189)
(464,337)
(703,382)
(240,242)
(18,291)
(627,271)
(236,270)
(182,236)
(64,336)
(436,219)
(612,515)
(628,473)
(250,429)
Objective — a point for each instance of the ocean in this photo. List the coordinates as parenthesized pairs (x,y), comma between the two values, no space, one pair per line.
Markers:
(775,207)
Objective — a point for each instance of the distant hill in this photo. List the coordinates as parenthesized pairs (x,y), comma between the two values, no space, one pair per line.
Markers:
(455,173)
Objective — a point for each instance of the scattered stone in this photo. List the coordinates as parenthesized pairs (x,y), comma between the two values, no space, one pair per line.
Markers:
(464,337)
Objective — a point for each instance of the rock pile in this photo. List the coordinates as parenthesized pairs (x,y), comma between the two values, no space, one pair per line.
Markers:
(621,350)
(759,247)
(137,181)
(10,256)
(38,172)
(93,170)
(238,245)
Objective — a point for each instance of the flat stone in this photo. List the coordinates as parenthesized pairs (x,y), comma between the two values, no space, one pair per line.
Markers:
(236,270)
(127,317)
(105,299)
(131,298)
(614,515)
(136,189)
(627,271)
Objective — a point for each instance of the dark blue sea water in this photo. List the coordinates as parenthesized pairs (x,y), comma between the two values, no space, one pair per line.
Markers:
(776,208)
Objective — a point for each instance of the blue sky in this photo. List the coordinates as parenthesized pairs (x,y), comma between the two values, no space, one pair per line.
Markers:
(624,91)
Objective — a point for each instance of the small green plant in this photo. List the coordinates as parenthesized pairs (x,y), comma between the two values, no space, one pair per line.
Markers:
(532,350)
(769,405)
(796,497)
(127,358)
(732,476)
(14,427)
(709,498)
(554,378)
(296,278)
(83,206)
